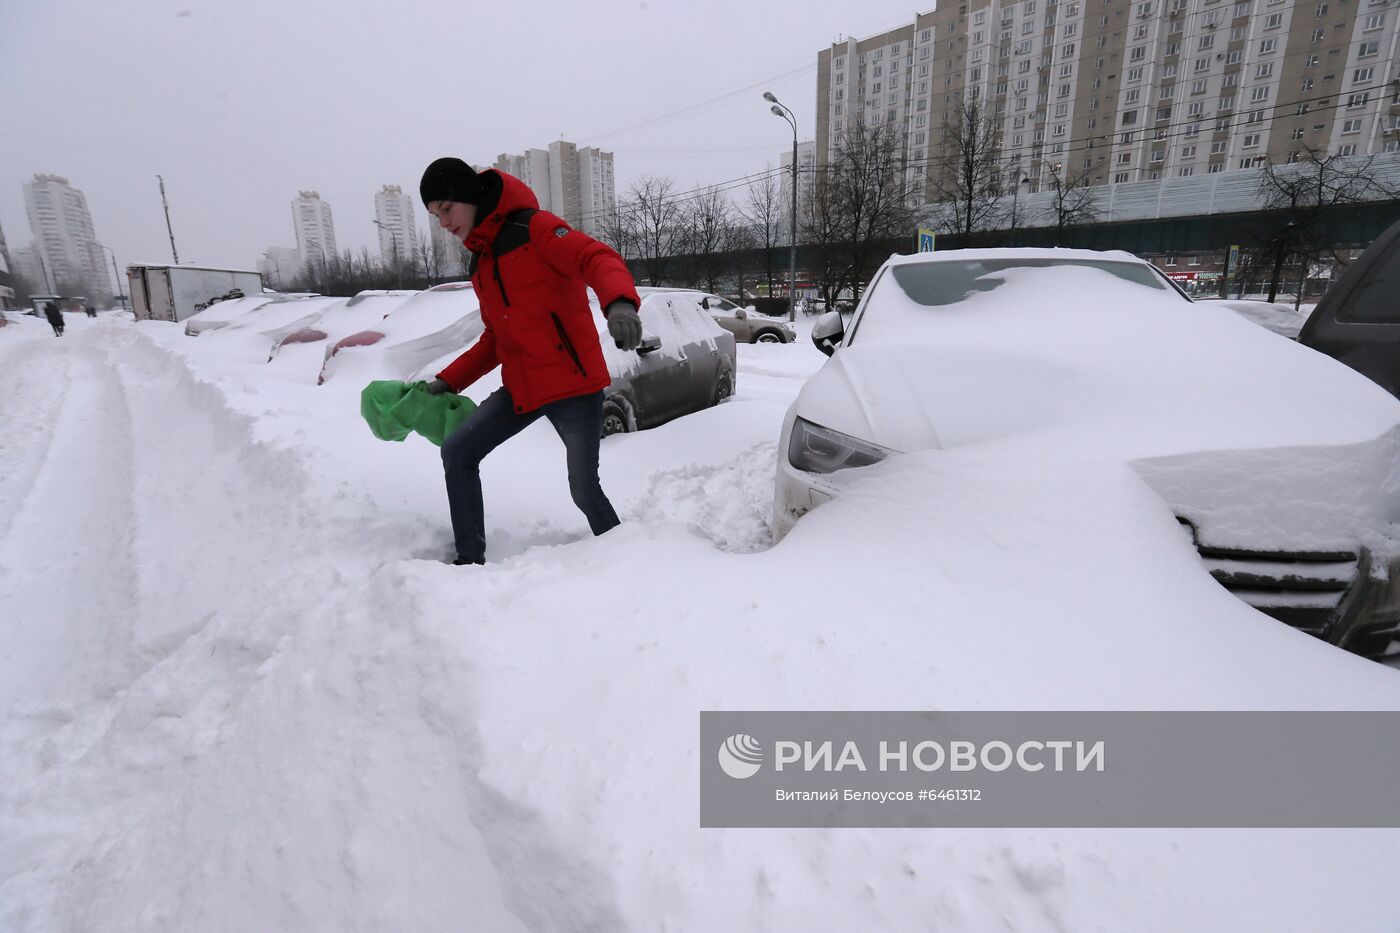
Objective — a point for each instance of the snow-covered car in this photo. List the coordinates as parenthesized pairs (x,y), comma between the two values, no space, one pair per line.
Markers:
(222,313)
(344,317)
(1279,463)
(1282,319)
(746,324)
(409,337)
(686,362)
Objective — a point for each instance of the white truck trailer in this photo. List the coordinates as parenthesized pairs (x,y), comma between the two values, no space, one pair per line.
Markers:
(173,293)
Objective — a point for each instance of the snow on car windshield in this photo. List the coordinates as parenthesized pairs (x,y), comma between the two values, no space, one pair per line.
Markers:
(938,284)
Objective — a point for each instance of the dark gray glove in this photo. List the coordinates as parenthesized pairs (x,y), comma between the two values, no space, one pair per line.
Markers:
(624,325)
(437,387)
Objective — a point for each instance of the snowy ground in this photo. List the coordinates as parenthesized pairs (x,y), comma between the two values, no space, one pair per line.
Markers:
(240,691)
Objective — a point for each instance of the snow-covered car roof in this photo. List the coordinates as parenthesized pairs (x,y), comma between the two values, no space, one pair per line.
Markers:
(1053,252)
(1078,359)
(220,313)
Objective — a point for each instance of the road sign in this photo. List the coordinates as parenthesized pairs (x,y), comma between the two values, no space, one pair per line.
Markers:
(926,240)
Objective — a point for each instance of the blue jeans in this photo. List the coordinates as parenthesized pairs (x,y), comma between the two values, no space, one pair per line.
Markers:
(579,422)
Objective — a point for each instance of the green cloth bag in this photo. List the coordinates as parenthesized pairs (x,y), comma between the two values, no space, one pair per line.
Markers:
(393,409)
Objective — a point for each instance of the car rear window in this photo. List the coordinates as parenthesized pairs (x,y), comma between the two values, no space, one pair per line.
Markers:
(944,283)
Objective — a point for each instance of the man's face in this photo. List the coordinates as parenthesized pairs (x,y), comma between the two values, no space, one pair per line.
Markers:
(455,217)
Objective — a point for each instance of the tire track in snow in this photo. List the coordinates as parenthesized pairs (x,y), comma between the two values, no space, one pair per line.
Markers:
(68,547)
(30,404)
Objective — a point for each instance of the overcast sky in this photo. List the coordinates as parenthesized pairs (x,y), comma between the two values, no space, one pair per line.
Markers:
(241,105)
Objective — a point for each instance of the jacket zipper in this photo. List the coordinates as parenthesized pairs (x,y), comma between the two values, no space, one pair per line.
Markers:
(500,282)
(568,344)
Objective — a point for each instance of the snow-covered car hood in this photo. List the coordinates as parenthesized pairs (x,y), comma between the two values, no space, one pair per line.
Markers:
(1128,374)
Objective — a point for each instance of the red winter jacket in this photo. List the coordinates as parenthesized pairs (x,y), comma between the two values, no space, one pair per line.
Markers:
(539,328)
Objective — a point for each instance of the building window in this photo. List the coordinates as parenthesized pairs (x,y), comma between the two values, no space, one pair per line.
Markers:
(1348,150)
(1367,49)
(1373,22)
(1351,126)
(1251,141)
(1217,167)
(1358,100)
(1185,172)
(1120,178)
(1268,46)
(1273,21)
(1259,93)
(1194,261)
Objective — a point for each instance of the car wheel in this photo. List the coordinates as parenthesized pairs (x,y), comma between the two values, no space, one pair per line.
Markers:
(768,336)
(724,387)
(614,418)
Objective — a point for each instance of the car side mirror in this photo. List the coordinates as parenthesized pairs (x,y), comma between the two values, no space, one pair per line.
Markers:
(649,344)
(828,332)
(741,314)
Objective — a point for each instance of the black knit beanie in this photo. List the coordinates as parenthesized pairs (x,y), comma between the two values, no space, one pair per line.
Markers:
(449,179)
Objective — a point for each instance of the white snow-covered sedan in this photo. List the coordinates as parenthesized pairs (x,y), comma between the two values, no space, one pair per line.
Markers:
(1279,463)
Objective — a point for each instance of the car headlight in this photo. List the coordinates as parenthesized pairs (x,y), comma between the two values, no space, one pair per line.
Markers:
(821,450)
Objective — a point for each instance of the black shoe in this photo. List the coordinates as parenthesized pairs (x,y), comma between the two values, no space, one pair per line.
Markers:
(461,561)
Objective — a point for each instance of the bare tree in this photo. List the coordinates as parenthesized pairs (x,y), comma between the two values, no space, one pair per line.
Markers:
(654,216)
(428,262)
(709,220)
(826,260)
(1073,200)
(965,174)
(1301,195)
(765,212)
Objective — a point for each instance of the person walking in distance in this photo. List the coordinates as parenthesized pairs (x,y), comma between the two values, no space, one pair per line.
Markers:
(55,318)
(531,272)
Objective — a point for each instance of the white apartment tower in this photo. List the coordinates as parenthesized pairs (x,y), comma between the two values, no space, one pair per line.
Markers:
(1126,90)
(315,230)
(393,214)
(577,184)
(63,236)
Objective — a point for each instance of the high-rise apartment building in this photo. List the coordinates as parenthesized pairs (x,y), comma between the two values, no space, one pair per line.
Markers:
(315,229)
(63,235)
(577,184)
(806,175)
(1125,90)
(393,213)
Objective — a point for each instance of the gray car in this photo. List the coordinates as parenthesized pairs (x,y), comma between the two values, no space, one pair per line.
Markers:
(746,324)
(685,363)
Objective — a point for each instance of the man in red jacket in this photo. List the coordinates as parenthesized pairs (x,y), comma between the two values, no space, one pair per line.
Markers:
(530,271)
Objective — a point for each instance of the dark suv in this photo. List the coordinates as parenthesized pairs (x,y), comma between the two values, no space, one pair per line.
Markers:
(1358,321)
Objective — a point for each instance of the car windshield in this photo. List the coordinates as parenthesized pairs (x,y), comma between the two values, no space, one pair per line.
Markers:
(949,282)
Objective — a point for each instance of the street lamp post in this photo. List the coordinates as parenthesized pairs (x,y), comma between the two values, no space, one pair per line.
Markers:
(115,273)
(1021,179)
(779,110)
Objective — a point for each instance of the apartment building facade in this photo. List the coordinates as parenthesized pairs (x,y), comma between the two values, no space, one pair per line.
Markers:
(314,227)
(806,175)
(1126,90)
(64,241)
(577,184)
(398,230)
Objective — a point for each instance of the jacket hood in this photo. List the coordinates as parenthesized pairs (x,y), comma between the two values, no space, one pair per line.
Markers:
(514,195)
